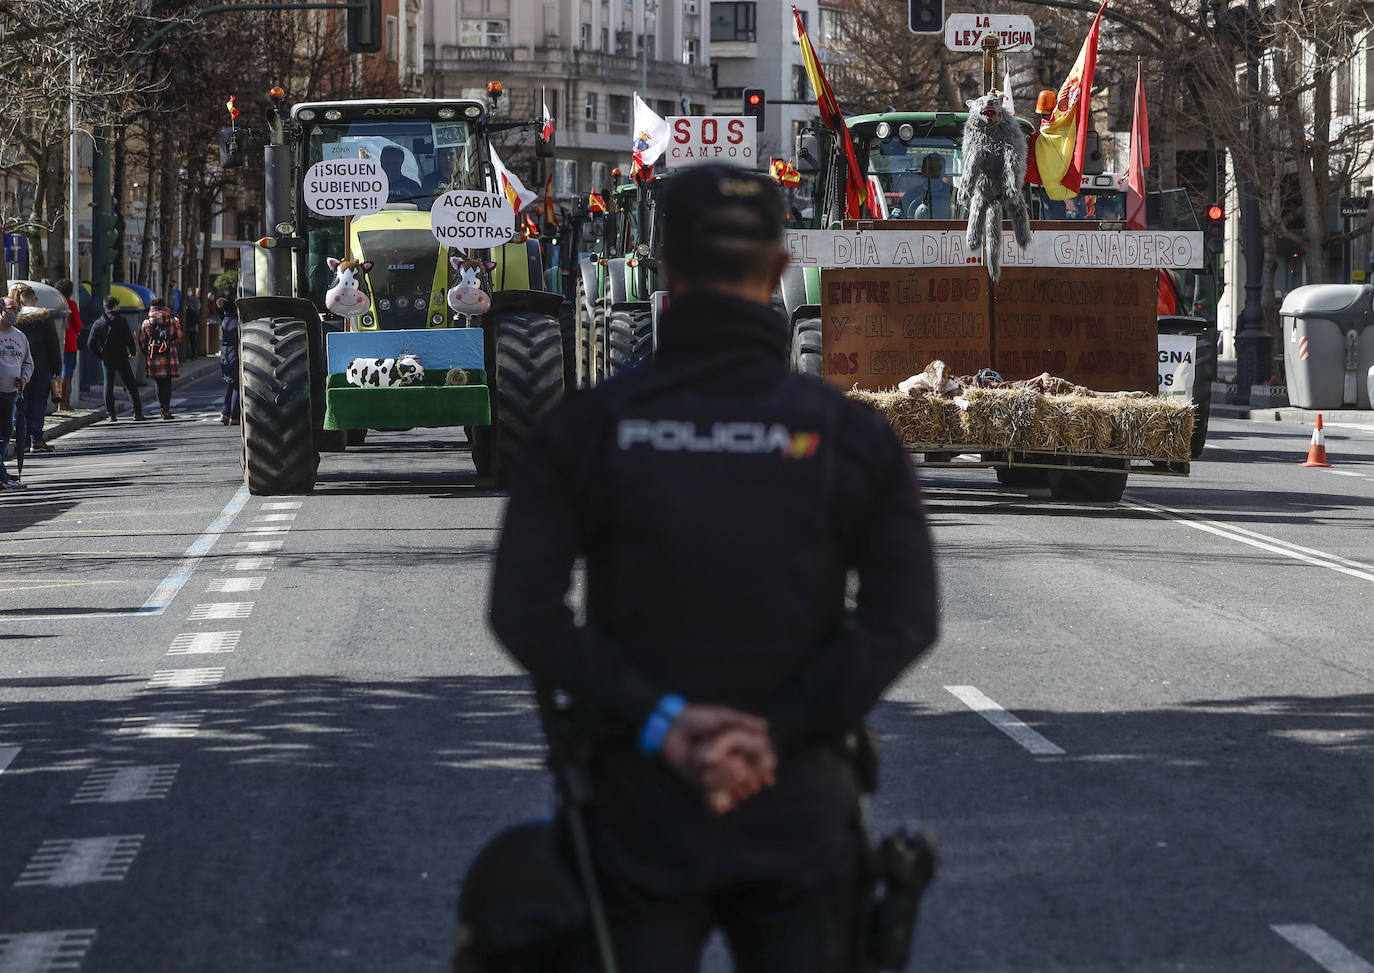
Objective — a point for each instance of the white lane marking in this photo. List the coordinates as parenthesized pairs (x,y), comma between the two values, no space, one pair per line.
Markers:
(114,785)
(256,547)
(186,678)
(162,726)
(204,643)
(1355,569)
(56,951)
(1348,425)
(161,598)
(266,530)
(7,755)
(1327,951)
(221,609)
(236,584)
(268,518)
(76,861)
(283,505)
(251,564)
(1358,476)
(1004,721)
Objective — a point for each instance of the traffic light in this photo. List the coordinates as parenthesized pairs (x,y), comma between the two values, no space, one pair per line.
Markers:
(754,103)
(926,16)
(364,26)
(1214,229)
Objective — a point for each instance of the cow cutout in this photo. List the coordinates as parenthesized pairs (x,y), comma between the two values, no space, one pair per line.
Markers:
(383,373)
(466,298)
(344,297)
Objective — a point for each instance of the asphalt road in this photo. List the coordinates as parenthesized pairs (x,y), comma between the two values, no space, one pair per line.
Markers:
(243,733)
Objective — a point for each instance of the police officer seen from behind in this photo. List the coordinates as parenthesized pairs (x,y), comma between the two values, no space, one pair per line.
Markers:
(719,501)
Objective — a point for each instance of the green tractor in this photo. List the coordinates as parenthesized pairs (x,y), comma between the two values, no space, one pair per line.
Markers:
(492,373)
(616,287)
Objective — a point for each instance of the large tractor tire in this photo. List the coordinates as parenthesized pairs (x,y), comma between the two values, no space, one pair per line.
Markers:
(806,346)
(587,332)
(598,356)
(629,338)
(528,379)
(1200,421)
(1087,486)
(278,446)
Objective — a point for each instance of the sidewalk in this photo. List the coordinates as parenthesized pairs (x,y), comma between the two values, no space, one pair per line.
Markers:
(61,423)
(1226,369)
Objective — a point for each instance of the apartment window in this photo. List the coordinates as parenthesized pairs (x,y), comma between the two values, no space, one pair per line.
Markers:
(801,85)
(689,6)
(601,177)
(618,112)
(605,40)
(690,51)
(584,37)
(392,41)
(484,33)
(1345,87)
(565,177)
(589,112)
(732,22)
(647,41)
(664,107)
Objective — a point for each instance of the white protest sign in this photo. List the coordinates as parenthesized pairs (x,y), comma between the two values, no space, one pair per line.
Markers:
(1176,366)
(724,139)
(1115,249)
(964,33)
(466,218)
(346,187)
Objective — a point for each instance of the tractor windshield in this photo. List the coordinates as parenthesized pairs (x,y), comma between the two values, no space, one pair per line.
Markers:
(422,158)
(915,178)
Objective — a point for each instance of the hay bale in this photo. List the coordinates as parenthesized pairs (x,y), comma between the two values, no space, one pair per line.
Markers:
(1001,418)
(918,420)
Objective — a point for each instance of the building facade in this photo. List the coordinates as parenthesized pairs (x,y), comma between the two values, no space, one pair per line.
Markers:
(586,58)
(754,45)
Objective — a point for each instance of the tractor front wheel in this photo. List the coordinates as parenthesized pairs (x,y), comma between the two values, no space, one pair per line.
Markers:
(274,368)
(528,380)
(806,347)
(629,339)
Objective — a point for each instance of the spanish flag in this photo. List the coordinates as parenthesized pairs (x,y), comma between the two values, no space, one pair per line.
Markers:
(595,203)
(856,195)
(550,211)
(509,184)
(1059,147)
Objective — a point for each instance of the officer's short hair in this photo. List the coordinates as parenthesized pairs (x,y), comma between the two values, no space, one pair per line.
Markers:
(111,302)
(721,224)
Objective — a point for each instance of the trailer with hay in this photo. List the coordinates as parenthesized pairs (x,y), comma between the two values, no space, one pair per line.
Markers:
(1048,375)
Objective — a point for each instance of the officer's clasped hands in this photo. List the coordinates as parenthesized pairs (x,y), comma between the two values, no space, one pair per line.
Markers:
(724,752)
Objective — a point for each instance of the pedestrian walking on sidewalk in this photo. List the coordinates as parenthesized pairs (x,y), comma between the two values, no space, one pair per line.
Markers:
(37,325)
(229,360)
(112,341)
(161,332)
(16,368)
(70,345)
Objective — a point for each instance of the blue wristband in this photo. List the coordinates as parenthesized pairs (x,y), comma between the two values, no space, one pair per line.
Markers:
(659,722)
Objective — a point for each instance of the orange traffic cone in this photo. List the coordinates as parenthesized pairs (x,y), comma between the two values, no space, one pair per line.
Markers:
(1316,453)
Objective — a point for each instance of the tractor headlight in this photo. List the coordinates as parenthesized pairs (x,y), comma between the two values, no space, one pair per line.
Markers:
(333,114)
(884,130)
(905,132)
(445,113)
(472,111)
(306,115)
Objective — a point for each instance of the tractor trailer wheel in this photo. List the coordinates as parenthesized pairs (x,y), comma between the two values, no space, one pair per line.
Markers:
(567,326)
(806,347)
(528,379)
(278,446)
(1087,486)
(629,339)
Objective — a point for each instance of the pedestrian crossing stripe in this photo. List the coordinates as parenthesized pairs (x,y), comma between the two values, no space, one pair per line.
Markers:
(221,609)
(113,785)
(235,584)
(204,643)
(162,726)
(78,861)
(53,951)
(186,678)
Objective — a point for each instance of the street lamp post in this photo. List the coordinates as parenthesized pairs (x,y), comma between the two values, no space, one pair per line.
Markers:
(1252,341)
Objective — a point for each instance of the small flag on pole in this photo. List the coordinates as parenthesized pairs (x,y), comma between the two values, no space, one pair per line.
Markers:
(596,203)
(546,131)
(233,112)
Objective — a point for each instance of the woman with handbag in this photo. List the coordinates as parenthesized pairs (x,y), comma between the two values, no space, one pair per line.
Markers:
(159,337)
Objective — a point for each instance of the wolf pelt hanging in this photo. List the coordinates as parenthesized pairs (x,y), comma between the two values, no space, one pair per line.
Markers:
(994,162)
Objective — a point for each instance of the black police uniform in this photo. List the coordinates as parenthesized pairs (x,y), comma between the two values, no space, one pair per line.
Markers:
(719,501)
